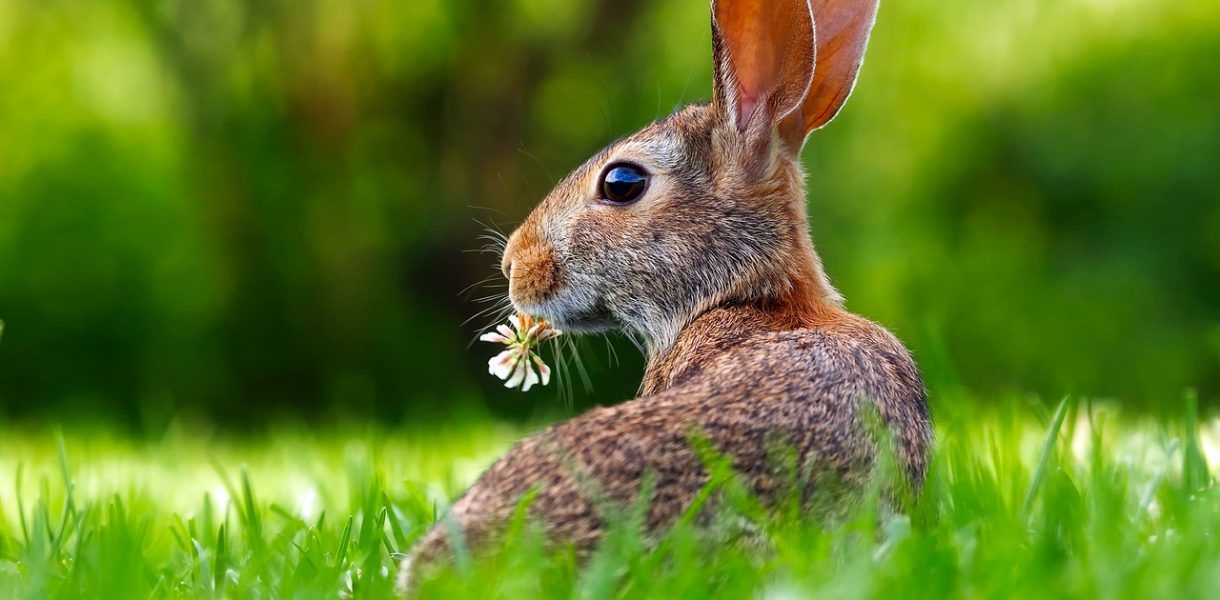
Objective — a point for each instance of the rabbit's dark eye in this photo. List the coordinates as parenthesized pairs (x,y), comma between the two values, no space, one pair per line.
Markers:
(623,184)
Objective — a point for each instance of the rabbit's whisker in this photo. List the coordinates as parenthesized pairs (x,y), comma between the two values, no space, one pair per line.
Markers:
(485,282)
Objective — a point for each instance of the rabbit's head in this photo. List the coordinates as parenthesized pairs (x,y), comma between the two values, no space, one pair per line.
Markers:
(705,207)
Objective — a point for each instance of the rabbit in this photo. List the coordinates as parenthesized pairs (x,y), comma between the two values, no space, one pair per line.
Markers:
(691,235)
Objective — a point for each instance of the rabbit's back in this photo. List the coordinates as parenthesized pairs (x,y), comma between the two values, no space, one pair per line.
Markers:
(765,394)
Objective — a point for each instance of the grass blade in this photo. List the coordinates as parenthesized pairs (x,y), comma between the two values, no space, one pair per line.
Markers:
(1048,448)
(1195,474)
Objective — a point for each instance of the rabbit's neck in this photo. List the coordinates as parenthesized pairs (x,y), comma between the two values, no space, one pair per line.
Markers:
(720,329)
(797,295)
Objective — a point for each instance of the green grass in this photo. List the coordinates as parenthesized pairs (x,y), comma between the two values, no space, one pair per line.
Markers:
(1022,500)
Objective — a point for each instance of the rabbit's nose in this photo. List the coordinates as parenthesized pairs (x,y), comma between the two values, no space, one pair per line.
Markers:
(510,251)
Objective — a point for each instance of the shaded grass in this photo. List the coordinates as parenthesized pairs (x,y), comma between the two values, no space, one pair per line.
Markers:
(1083,501)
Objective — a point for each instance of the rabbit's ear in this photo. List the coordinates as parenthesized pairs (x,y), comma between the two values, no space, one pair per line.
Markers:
(764,61)
(843,27)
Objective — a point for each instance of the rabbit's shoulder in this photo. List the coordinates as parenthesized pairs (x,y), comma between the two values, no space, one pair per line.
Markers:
(848,355)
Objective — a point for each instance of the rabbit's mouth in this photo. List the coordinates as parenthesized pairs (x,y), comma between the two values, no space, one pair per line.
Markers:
(572,314)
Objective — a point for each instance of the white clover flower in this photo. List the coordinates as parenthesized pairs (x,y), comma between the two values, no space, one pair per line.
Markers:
(516,364)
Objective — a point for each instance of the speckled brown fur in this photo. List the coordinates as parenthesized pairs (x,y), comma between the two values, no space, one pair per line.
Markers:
(714,270)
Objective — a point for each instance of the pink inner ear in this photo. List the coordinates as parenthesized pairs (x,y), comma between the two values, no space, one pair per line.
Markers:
(747,103)
(767,50)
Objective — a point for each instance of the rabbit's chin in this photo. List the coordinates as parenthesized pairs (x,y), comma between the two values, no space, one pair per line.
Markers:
(572,317)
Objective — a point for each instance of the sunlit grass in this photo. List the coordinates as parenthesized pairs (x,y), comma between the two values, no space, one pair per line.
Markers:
(1082,501)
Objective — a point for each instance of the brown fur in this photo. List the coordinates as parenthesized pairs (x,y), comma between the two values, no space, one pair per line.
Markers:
(535,265)
(713,268)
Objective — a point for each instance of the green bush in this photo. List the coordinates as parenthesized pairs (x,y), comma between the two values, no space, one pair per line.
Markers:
(256,209)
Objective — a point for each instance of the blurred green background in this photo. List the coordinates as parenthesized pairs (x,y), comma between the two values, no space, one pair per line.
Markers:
(251,211)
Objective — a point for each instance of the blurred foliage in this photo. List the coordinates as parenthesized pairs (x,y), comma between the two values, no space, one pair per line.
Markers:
(256,209)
